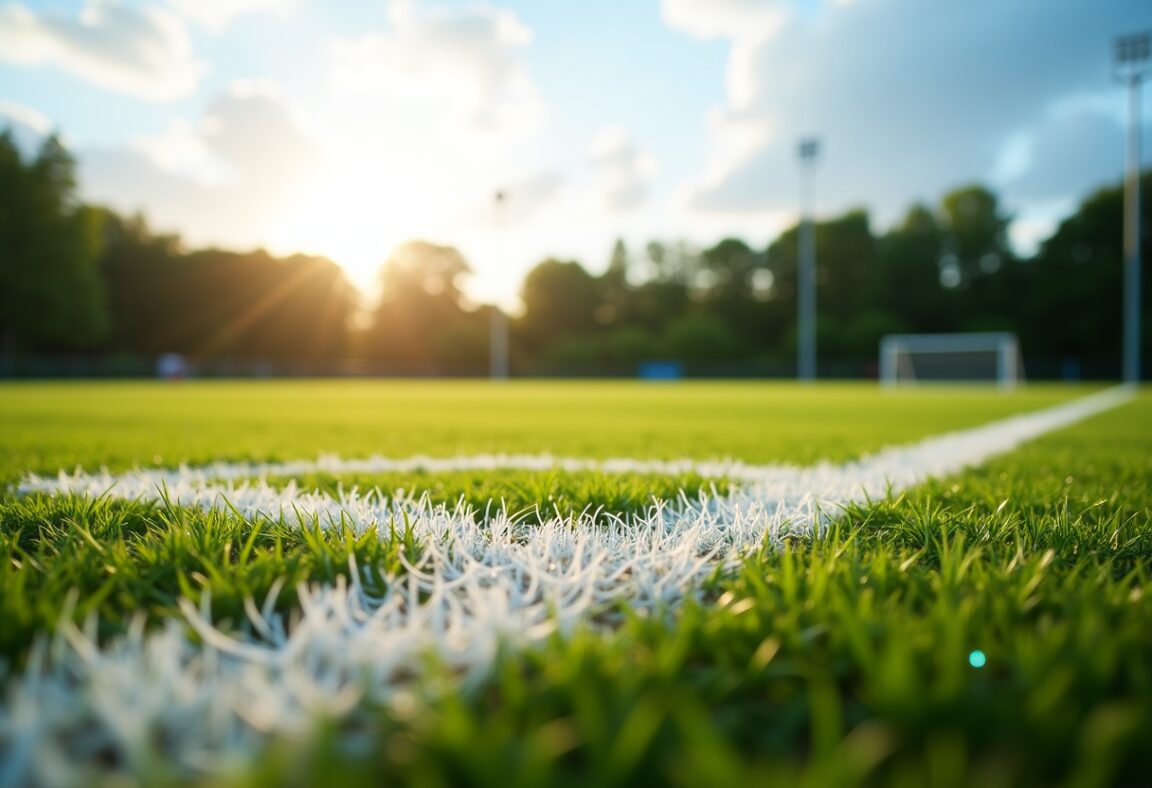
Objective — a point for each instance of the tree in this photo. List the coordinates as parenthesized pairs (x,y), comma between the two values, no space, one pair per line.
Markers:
(421,309)
(657,254)
(51,294)
(990,284)
(215,303)
(658,301)
(976,233)
(421,268)
(560,299)
(700,337)
(907,283)
(845,270)
(615,291)
(846,265)
(1075,282)
(731,262)
(146,291)
(731,265)
(664,295)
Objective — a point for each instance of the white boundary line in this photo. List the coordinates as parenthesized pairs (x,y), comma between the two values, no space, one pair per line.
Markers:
(476,584)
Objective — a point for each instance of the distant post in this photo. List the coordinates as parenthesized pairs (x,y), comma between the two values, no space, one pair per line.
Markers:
(806,270)
(1133,64)
(498,326)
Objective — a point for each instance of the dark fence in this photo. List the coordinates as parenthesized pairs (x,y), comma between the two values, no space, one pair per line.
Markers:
(128,366)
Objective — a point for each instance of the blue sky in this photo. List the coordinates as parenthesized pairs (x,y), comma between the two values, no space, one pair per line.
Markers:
(344,128)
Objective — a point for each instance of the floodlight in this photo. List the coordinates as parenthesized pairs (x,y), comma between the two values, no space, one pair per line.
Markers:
(1133,50)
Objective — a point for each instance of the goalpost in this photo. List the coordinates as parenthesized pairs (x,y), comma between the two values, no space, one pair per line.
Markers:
(938,358)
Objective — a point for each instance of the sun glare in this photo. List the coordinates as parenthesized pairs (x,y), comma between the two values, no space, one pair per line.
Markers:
(357,221)
(349,220)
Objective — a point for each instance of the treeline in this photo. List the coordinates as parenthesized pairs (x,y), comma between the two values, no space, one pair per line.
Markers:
(731,308)
(942,268)
(80,278)
(203,303)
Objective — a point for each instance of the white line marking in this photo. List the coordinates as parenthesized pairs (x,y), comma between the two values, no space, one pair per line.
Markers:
(476,584)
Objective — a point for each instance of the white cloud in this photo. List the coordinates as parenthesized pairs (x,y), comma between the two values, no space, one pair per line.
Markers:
(464,59)
(216,14)
(25,116)
(1047,169)
(247,131)
(182,151)
(223,180)
(27,126)
(622,169)
(142,51)
(523,198)
(251,129)
(910,99)
(724,18)
(1029,231)
(1066,154)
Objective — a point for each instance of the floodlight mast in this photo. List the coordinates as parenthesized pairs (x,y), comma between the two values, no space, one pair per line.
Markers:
(1133,65)
(498,326)
(806,269)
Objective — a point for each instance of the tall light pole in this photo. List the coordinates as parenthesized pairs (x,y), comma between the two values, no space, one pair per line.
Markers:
(806,270)
(498,326)
(1133,64)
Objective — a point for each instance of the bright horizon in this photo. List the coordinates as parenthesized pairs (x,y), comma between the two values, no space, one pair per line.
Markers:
(344,129)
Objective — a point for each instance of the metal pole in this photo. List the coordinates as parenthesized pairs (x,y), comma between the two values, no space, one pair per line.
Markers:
(1132,288)
(806,269)
(498,344)
(498,326)
(1133,64)
(888,369)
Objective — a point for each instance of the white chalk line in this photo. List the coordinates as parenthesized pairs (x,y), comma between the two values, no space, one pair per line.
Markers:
(477,584)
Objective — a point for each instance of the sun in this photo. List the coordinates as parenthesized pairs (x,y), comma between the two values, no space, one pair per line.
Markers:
(361,207)
(354,223)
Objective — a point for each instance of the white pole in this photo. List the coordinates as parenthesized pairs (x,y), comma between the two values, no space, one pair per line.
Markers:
(1133,64)
(806,269)
(1132,238)
(498,326)
(888,370)
(1006,360)
(498,349)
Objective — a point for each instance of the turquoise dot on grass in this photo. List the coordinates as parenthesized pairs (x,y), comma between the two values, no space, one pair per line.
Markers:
(977,659)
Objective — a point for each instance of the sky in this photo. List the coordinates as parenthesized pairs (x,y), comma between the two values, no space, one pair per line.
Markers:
(345,128)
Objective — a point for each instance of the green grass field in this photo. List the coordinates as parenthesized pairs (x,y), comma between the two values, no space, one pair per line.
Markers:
(848,655)
(51,426)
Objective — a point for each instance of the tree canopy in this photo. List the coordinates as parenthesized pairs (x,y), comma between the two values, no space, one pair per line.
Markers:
(75,277)
(51,292)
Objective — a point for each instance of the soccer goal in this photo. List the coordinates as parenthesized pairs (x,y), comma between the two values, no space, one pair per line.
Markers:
(938,358)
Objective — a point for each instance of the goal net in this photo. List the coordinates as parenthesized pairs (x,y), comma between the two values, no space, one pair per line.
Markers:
(939,358)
